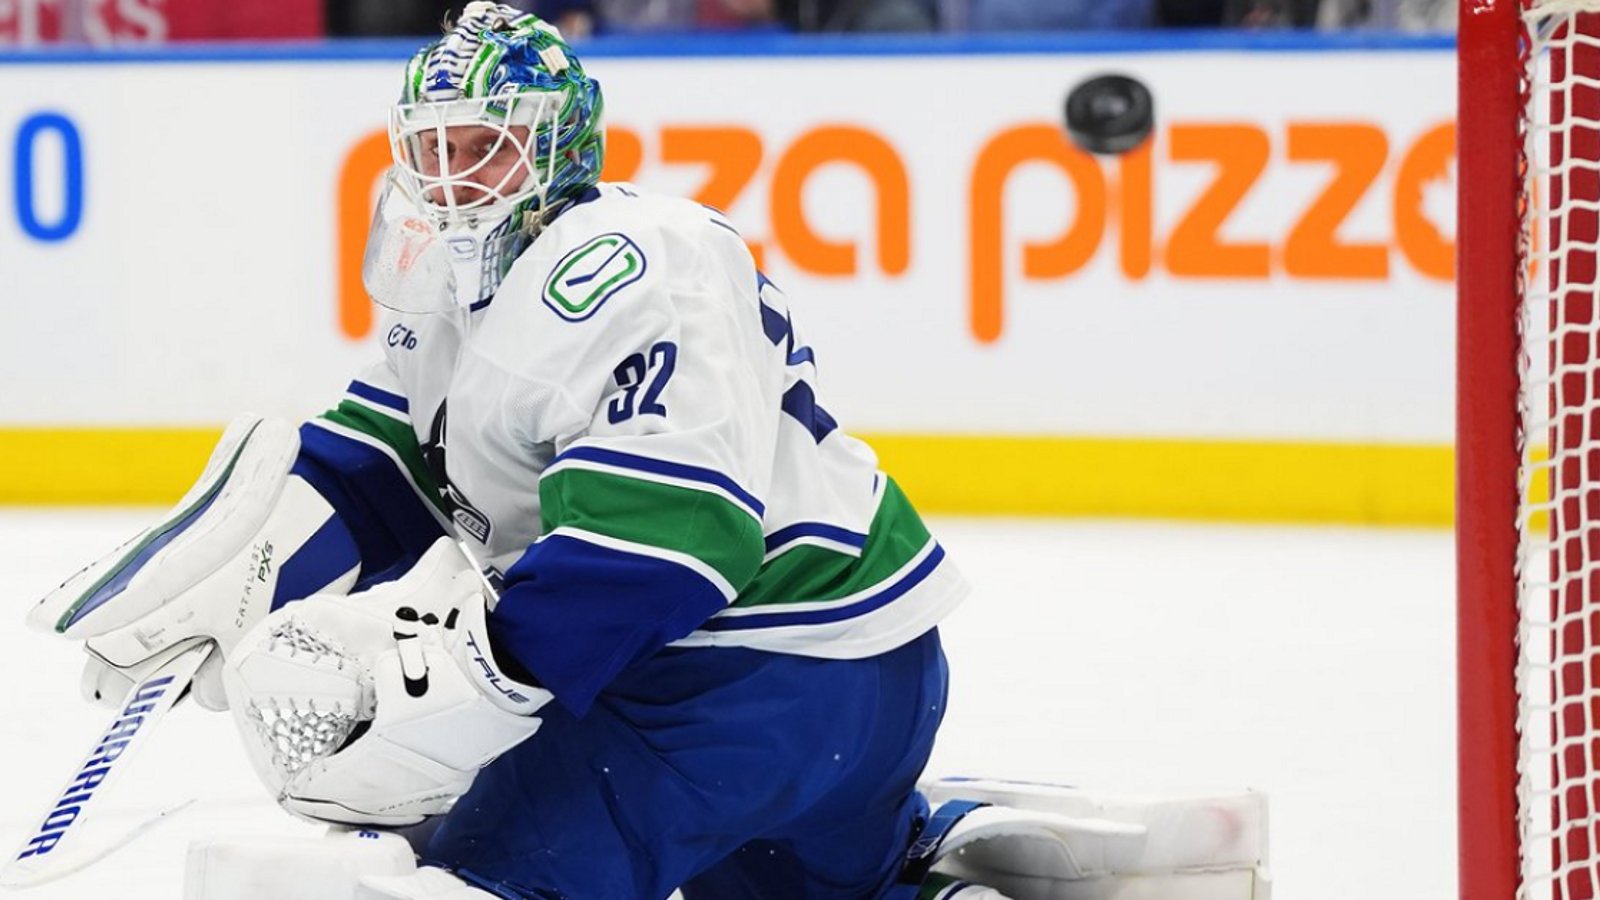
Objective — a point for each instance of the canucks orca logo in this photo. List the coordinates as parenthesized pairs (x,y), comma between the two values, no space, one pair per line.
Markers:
(462,512)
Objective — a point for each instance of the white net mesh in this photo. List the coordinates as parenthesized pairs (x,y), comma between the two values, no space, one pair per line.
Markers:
(1558,675)
(297,733)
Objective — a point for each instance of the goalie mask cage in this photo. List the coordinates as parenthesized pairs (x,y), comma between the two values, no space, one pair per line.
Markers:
(1528,449)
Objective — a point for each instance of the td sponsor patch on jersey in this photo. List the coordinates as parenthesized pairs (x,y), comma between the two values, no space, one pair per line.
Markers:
(589,275)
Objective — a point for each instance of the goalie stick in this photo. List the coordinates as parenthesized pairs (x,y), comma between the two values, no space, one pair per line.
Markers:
(53,850)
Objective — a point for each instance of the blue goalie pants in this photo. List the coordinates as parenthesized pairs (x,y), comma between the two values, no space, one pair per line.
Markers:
(730,773)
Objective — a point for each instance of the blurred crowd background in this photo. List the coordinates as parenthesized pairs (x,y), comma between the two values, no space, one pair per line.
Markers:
(121,22)
(584,17)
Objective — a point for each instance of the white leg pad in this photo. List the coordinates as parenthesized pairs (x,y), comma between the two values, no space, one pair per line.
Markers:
(424,884)
(328,868)
(1045,842)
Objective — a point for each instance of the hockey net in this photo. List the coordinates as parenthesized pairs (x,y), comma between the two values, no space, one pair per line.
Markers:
(1558,521)
(1530,188)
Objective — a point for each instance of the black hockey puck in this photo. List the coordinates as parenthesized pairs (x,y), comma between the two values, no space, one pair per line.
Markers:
(1110,114)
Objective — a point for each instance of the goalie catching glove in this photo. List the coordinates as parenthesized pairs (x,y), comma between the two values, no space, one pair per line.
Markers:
(250,535)
(379,707)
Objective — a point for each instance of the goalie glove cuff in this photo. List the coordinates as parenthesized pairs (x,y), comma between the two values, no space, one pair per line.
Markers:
(507,687)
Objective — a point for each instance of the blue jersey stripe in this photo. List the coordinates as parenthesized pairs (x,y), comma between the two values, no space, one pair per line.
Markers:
(815,529)
(800,402)
(774,324)
(652,466)
(667,557)
(779,618)
(379,396)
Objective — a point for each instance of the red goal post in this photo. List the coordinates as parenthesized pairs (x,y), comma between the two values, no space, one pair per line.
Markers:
(1528,449)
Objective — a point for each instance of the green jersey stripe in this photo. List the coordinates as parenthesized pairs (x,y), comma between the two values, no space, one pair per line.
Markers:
(639,473)
(384,411)
(684,520)
(397,435)
(807,573)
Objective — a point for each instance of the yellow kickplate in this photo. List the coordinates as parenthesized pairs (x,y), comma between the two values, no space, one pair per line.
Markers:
(1246,481)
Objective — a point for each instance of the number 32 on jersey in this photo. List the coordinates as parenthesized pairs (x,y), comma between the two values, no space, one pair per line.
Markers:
(642,377)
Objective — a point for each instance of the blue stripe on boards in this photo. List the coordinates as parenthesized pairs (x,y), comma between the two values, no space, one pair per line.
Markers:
(327,554)
(800,402)
(684,471)
(815,529)
(1032,44)
(379,396)
(779,618)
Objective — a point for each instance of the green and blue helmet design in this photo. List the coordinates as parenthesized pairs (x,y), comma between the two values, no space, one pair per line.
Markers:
(535,138)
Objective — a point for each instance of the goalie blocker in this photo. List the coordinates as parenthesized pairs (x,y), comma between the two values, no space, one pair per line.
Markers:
(987,840)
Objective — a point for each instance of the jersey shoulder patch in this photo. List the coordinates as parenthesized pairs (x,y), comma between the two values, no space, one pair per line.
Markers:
(609,244)
(588,275)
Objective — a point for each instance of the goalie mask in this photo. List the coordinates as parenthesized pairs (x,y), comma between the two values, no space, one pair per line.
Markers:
(497,129)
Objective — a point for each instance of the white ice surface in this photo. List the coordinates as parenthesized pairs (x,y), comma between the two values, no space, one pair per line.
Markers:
(1314,664)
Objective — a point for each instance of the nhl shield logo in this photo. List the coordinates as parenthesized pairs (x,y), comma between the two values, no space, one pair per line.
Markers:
(586,277)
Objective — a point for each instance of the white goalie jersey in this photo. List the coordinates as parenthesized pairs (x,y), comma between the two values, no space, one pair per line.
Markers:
(629,434)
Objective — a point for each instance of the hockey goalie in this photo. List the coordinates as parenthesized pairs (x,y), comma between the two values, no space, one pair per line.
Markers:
(580,592)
